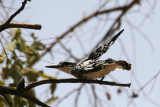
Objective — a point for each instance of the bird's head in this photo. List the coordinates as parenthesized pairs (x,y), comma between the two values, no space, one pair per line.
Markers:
(124,65)
(65,66)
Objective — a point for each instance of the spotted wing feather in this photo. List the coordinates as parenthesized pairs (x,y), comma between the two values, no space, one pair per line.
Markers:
(87,67)
(91,66)
(102,49)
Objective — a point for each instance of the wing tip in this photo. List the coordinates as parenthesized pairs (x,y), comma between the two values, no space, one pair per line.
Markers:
(120,32)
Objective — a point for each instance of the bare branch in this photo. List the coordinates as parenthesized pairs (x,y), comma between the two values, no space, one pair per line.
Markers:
(13,91)
(8,23)
(78,95)
(48,81)
(69,52)
(117,23)
(25,25)
(20,25)
(65,96)
(154,77)
(23,91)
(95,95)
(17,12)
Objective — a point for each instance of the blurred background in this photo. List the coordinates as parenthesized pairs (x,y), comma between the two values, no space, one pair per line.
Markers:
(70,31)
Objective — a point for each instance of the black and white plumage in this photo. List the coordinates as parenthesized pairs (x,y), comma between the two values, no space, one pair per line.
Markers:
(92,67)
(103,49)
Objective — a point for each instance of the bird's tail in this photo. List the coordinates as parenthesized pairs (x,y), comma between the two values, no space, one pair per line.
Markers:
(123,65)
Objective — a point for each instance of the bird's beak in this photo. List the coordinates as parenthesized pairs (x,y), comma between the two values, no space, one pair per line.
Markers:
(54,66)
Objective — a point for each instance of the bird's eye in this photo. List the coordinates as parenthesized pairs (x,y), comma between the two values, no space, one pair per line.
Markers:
(61,63)
(64,63)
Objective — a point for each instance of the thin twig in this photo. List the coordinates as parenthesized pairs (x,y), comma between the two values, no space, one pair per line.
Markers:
(78,95)
(17,12)
(117,23)
(64,97)
(95,95)
(154,77)
(69,52)
(143,35)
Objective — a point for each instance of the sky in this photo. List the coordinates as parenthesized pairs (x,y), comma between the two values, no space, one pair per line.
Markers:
(141,45)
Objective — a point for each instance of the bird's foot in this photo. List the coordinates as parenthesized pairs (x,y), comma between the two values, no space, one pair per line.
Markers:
(101,80)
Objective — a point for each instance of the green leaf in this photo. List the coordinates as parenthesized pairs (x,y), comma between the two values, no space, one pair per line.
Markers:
(3,102)
(47,77)
(31,74)
(2,57)
(38,46)
(33,36)
(11,46)
(53,87)
(21,44)
(20,102)
(2,83)
(5,72)
(51,100)
(17,34)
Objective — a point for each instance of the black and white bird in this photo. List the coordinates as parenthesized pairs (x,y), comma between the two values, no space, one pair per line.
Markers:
(91,67)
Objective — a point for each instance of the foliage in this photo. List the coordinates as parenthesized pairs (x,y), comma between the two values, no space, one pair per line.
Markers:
(19,64)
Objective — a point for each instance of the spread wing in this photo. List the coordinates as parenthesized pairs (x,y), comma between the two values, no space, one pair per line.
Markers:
(102,49)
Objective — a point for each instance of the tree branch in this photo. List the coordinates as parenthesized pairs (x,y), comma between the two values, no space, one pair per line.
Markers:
(17,12)
(69,52)
(5,97)
(48,81)
(21,91)
(13,91)
(8,23)
(117,23)
(20,25)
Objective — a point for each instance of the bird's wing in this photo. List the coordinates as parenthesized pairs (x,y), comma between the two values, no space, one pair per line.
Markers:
(87,69)
(102,49)
(88,66)
(102,69)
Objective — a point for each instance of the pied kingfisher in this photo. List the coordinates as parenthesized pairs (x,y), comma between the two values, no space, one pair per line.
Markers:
(91,67)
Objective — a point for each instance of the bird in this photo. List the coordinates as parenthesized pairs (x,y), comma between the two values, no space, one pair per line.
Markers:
(92,67)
